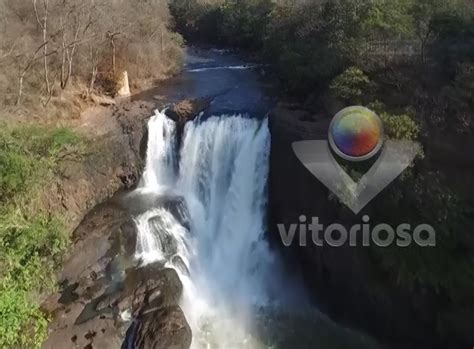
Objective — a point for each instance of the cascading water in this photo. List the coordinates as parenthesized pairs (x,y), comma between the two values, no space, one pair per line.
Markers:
(221,256)
(160,168)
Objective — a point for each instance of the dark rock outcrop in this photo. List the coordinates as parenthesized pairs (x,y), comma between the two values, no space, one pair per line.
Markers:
(106,299)
(165,328)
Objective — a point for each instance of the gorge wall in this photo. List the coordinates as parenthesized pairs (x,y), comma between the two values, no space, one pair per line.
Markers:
(346,281)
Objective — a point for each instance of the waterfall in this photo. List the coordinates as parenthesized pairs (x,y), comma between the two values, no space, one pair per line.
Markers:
(223,174)
(160,167)
(220,254)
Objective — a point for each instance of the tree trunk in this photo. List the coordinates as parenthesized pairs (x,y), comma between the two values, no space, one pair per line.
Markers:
(20,89)
(162,42)
(45,56)
(43,24)
(92,81)
(113,56)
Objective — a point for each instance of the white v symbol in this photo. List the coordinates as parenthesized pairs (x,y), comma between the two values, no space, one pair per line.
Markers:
(316,156)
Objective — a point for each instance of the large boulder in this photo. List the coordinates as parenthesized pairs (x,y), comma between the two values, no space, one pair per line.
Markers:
(163,328)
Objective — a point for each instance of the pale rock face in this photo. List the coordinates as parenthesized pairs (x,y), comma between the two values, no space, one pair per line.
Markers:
(124,87)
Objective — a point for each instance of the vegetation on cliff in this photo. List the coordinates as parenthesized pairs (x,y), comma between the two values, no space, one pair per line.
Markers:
(32,240)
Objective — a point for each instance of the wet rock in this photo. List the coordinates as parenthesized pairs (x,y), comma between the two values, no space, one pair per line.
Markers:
(150,287)
(97,281)
(165,328)
(103,289)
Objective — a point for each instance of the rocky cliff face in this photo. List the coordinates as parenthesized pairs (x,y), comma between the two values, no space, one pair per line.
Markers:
(345,281)
(112,160)
(105,300)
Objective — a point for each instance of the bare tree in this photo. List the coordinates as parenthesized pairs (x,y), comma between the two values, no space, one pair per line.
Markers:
(94,61)
(22,71)
(73,29)
(7,53)
(52,43)
(43,24)
(111,36)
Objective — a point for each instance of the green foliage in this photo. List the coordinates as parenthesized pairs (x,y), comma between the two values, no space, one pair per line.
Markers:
(310,43)
(446,269)
(15,171)
(422,12)
(303,49)
(22,324)
(28,154)
(458,100)
(245,22)
(32,242)
(400,126)
(388,18)
(351,85)
(31,250)
(241,23)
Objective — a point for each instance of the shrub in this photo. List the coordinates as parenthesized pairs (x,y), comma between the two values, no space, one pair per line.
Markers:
(28,154)
(351,85)
(22,324)
(400,126)
(15,171)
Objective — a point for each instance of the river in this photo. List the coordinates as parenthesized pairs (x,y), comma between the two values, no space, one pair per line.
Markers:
(210,225)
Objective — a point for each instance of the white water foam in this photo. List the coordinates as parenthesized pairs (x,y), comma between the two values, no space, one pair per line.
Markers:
(221,257)
(160,167)
(227,67)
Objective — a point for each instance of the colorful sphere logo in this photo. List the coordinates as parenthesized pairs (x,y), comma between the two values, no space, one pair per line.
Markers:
(356,133)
